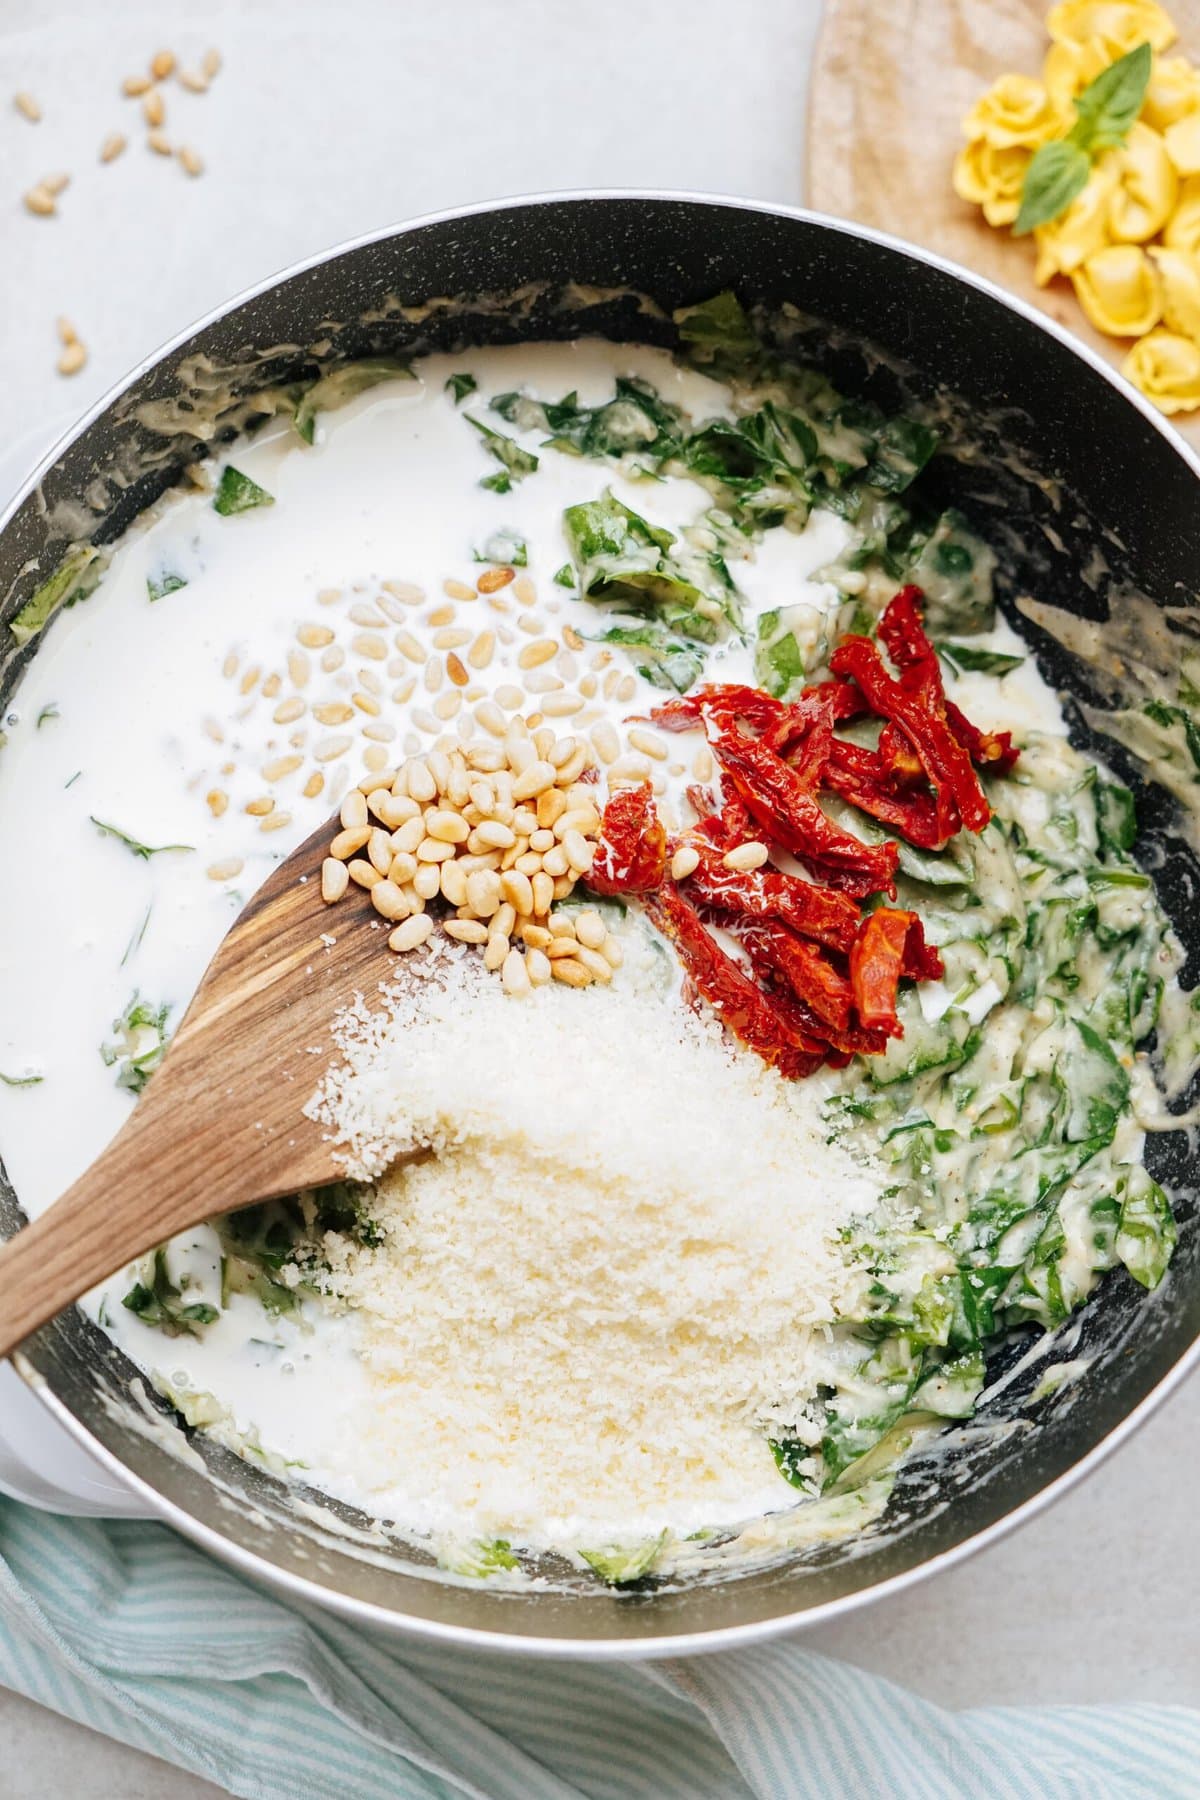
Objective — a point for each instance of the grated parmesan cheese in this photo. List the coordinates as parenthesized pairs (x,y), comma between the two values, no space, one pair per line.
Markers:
(608,1265)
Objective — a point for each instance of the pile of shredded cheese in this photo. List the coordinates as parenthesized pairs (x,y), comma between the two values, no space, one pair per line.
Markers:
(609,1262)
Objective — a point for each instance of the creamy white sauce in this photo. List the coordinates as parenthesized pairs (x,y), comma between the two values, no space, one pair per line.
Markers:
(390,491)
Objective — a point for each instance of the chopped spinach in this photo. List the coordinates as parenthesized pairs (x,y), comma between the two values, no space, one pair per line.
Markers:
(156,1300)
(76,576)
(236,493)
(967,659)
(335,390)
(503,547)
(166,583)
(619,1565)
(15,1081)
(515,463)
(664,660)
(459,385)
(139,1045)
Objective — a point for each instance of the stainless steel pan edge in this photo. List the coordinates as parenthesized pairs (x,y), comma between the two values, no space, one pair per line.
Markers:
(735,1612)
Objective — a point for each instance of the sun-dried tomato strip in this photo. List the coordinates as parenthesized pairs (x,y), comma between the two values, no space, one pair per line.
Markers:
(631,856)
(902,631)
(876,965)
(785,806)
(855,773)
(727,702)
(922,960)
(819,913)
(769,947)
(917,704)
(739,1002)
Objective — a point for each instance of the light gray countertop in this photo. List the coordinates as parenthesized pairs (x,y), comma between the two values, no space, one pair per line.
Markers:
(316,131)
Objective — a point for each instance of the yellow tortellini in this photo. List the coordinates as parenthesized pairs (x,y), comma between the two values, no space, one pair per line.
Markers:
(1147,187)
(1120,25)
(1174,91)
(1183,143)
(1078,233)
(1129,242)
(1118,288)
(1069,67)
(1182,231)
(1015,112)
(1179,280)
(991,178)
(1167,369)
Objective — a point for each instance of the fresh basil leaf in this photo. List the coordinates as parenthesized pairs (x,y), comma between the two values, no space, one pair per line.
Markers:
(1109,105)
(342,385)
(166,583)
(460,385)
(499,483)
(967,659)
(564,577)
(236,493)
(1057,174)
(515,462)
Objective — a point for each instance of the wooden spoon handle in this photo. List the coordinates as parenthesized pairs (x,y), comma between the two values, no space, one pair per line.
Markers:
(128,1201)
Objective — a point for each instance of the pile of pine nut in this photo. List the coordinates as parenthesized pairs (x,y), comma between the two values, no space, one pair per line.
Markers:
(500,833)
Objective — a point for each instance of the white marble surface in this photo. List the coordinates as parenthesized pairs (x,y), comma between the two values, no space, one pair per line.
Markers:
(328,123)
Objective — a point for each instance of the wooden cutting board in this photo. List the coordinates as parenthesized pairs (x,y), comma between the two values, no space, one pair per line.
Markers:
(891,83)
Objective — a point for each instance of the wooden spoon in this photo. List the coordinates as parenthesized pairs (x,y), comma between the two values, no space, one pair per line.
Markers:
(221,1124)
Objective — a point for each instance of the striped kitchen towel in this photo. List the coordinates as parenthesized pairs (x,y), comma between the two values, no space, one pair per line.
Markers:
(125,1627)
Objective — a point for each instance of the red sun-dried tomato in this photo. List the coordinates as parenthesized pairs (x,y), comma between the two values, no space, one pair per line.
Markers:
(785,806)
(631,855)
(879,958)
(820,913)
(739,1002)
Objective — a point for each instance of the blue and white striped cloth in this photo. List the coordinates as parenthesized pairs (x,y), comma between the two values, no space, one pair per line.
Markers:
(127,1628)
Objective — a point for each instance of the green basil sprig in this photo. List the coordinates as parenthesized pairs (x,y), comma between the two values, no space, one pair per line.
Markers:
(1104,113)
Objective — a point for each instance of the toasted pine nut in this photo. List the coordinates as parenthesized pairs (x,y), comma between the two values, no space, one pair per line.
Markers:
(543,892)
(404,868)
(421,784)
(453,882)
(590,928)
(27,106)
(335,880)
(363,874)
(211,63)
(516,889)
(483,893)
(492,580)
(227,869)
(495,950)
(189,161)
(449,827)
(428,881)
(379,850)
(348,841)
(40,201)
(554,861)
(389,901)
(685,862)
(747,856)
(153,110)
(539,651)
(573,768)
(535,779)
(433,850)
(162,64)
(580,854)
(413,932)
(466,931)
(111,148)
(72,359)
(571,971)
(514,974)
(135,85)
